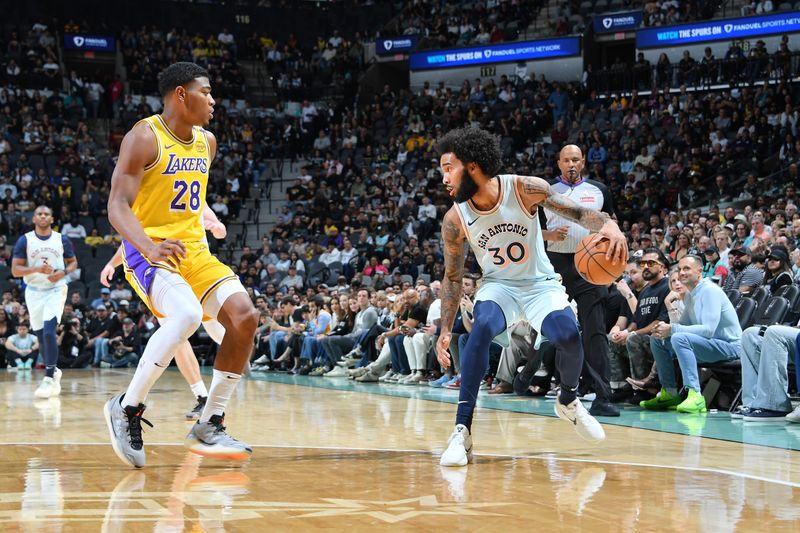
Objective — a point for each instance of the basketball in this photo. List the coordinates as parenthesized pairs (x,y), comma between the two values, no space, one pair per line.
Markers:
(591,262)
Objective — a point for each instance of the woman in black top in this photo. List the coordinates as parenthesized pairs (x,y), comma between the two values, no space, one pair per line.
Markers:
(777,272)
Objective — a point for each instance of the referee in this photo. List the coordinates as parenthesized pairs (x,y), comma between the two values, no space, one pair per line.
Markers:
(563,238)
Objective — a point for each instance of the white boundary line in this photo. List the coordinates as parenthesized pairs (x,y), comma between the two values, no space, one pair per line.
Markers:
(548,457)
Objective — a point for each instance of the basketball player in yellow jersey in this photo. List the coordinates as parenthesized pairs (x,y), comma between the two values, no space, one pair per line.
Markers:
(156,201)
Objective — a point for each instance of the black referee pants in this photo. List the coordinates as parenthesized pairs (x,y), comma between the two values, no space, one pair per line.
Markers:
(591,300)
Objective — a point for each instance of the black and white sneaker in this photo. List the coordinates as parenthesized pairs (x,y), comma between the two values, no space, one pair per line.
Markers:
(195,413)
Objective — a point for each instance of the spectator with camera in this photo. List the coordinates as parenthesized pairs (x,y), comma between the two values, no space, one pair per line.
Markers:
(71,342)
(124,349)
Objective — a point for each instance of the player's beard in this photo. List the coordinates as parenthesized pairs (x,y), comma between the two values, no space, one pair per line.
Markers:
(467,188)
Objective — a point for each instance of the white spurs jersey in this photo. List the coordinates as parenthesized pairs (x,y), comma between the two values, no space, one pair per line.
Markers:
(38,251)
(506,240)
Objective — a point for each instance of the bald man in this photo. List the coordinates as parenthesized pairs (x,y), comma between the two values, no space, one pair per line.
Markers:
(562,237)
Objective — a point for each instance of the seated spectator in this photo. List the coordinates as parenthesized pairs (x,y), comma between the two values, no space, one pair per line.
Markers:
(777,273)
(22,347)
(714,268)
(708,332)
(71,341)
(629,350)
(744,276)
(292,279)
(74,229)
(124,349)
(765,355)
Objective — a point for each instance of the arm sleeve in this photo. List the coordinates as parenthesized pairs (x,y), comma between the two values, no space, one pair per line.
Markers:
(370,318)
(69,251)
(21,248)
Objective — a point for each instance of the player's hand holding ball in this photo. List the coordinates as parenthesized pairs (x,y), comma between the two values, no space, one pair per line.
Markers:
(170,251)
(593,258)
(618,245)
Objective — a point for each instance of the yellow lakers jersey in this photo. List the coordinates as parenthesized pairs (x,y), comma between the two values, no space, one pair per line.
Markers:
(173,191)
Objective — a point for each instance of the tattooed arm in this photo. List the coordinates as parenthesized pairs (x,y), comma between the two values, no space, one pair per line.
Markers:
(453,237)
(535,191)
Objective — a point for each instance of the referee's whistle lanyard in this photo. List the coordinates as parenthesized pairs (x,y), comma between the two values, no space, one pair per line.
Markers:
(569,184)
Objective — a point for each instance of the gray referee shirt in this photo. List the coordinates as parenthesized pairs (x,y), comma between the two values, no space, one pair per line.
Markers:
(587,193)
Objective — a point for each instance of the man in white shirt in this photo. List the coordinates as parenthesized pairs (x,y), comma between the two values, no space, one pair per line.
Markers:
(347,254)
(74,229)
(332,255)
(426,215)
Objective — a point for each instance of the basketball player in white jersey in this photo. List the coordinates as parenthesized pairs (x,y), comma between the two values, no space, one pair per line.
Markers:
(496,215)
(185,359)
(43,258)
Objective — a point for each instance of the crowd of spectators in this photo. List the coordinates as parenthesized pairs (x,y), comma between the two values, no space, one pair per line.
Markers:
(448,24)
(362,215)
(30,57)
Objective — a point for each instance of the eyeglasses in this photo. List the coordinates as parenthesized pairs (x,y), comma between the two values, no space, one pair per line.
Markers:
(649,263)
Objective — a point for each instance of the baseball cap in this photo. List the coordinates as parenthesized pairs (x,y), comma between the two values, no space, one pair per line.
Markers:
(778,253)
(127,321)
(99,307)
(323,286)
(711,250)
(740,250)
(124,303)
(105,290)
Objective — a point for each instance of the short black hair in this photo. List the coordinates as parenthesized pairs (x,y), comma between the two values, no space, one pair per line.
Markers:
(661,257)
(473,145)
(177,74)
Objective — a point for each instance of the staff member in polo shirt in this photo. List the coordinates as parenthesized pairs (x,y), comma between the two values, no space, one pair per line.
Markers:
(563,237)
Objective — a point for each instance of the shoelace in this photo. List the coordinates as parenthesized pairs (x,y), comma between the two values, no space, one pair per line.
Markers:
(135,429)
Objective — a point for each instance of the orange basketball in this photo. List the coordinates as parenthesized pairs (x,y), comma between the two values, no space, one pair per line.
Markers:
(591,262)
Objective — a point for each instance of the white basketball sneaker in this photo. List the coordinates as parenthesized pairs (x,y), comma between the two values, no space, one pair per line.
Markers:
(585,424)
(49,387)
(459,448)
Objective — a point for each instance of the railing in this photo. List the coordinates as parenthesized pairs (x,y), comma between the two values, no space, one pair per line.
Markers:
(720,73)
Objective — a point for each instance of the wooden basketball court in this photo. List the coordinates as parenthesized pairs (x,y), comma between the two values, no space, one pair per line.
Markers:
(359,459)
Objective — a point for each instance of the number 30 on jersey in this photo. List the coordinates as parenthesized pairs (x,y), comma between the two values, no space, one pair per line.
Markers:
(515,252)
(179,202)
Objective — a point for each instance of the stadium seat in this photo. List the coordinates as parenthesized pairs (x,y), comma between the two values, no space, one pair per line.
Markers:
(760,296)
(734,296)
(790,292)
(772,312)
(745,309)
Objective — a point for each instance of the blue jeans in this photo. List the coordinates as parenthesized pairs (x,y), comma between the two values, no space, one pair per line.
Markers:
(690,349)
(276,344)
(399,358)
(129,359)
(100,350)
(765,377)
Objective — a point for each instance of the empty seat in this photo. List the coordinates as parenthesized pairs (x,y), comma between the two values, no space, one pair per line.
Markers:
(760,296)
(745,309)
(772,312)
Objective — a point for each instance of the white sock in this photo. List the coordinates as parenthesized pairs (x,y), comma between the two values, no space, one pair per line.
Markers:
(173,297)
(222,387)
(199,389)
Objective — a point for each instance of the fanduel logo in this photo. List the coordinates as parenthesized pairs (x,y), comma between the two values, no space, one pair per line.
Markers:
(186,164)
(78,40)
(728,28)
(607,22)
(388,44)
(487,53)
